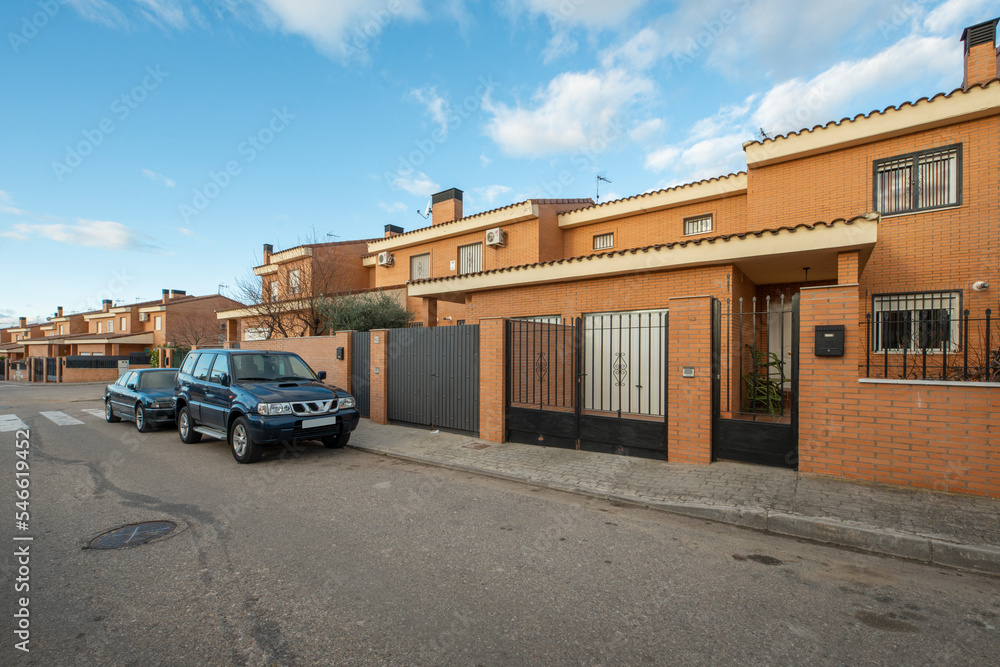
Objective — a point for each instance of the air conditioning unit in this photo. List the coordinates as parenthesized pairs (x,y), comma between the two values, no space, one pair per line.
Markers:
(143,317)
(496,238)
(385,259)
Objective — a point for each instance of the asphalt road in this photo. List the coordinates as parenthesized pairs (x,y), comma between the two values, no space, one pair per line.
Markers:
(341,557)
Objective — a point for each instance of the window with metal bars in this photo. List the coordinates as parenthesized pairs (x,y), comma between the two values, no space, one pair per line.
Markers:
(470,258)
(697,225)
(920,181)
(916,322)
(604,241)
(420,266)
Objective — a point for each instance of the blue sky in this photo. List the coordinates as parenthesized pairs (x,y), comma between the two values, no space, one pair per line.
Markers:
(149,144)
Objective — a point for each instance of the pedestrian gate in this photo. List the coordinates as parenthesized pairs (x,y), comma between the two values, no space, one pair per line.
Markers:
(361,351)
(434,376)
(755,381)
(596,383)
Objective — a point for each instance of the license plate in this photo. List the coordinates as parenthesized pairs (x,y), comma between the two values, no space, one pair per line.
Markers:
(318,421)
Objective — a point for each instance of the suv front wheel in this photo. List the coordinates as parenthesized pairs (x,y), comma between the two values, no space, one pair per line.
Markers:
(336,441)
(245,450)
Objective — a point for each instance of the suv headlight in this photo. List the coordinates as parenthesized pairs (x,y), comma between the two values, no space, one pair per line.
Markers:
(346,403)
(271,409)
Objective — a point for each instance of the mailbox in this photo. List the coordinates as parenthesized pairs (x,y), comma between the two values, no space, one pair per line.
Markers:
(830,340)
(340,354)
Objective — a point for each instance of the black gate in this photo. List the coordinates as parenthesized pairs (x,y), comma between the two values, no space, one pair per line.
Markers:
(38,369)
(361,354)
(755,377)
(51,369)
(434,376)
(597,383)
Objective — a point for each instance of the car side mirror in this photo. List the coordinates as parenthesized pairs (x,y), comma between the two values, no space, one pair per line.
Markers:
(224,379)
(321,375)
(130,386)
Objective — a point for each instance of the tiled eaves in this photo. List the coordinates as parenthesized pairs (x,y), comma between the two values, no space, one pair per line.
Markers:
(672,188)
(442,225)
(659,246)
(872,113)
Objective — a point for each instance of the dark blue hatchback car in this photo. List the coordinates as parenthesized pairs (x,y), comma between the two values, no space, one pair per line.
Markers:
(256,398)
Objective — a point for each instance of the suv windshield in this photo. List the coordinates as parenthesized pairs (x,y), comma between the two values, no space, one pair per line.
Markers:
(270,367)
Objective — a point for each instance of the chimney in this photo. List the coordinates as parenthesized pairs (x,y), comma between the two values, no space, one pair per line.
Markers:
(166,296)
(268,251)
(22,322)
(106,305)
(177,293)
(982,61)
(59,311)
(447,206)
(392,230)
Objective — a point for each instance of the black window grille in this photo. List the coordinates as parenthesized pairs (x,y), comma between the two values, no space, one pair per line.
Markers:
(919,181)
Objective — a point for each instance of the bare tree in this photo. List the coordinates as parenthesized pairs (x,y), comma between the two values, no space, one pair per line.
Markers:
(196,330)
(287,307)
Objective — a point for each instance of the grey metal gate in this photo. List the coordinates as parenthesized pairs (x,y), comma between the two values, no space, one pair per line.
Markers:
(51,369)
(361,355)
(434,376)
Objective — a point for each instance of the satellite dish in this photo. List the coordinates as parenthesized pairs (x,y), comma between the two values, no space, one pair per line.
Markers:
(427,211)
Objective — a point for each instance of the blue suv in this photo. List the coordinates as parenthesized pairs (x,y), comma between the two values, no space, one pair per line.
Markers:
(257,398)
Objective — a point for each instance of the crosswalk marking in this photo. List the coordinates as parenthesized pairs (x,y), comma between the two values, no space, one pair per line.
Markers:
(60,418)
(94,412)
(11,423)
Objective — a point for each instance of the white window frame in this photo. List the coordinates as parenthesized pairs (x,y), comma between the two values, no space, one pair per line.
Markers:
(294,281)
(604,241)
(274,290)
(469,259)
(124,326)
(111,325)
(921,324)
(100,327)
(898,182)
(697,224)
(158,323)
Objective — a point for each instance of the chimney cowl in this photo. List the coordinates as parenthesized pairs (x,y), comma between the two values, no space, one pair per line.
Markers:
(393,230)
(59,311)
(22,322)
(106,305)
(166,296)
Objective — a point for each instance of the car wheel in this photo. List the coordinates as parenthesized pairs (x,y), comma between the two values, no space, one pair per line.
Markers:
(336,441)
(185,427)
(245,450)
(141,423)
(109,413)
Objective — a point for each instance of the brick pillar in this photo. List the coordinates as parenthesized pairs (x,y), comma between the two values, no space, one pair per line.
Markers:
(379,389)
(342,378)
(689,402)
(429,311)
(492,379)
(848,268)
(830,438)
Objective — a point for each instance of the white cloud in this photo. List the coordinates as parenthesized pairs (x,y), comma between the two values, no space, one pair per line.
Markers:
(436,106)
(490,193)
(395,207)
(87,233)
(950,17)
(593,14)
(4,197)
(559,46)
(341,29)
(646,130)
(100,11)
(158,178)
(575,110)
(485,160)
(169,12)
(185,231)
(418,184)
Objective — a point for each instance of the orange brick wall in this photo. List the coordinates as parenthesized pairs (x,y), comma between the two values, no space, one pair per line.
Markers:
(320,352)
(379,387)
(981,64)
(946,249)
(664,226)
(922,435)
(689,400)
(492,381)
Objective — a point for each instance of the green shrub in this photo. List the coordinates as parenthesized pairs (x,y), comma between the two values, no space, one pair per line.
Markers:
(364,312)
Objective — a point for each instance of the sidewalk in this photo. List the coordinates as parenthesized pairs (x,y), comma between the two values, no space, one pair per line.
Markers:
(947,529)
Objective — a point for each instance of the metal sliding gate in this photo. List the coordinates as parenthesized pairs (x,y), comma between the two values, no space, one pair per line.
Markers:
(51,369)
(361,354)
(434,376)
(596,383)
(755,350)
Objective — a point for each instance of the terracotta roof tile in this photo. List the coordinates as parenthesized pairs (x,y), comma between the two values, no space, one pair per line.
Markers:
(653,192)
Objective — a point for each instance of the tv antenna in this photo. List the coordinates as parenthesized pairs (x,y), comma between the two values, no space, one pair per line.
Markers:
(222,287)
(600,177)
(331,234)
(426,213)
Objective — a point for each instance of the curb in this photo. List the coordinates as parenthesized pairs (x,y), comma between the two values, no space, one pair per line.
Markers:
(984,559)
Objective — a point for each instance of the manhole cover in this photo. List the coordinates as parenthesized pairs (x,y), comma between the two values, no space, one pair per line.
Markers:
(132,535)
